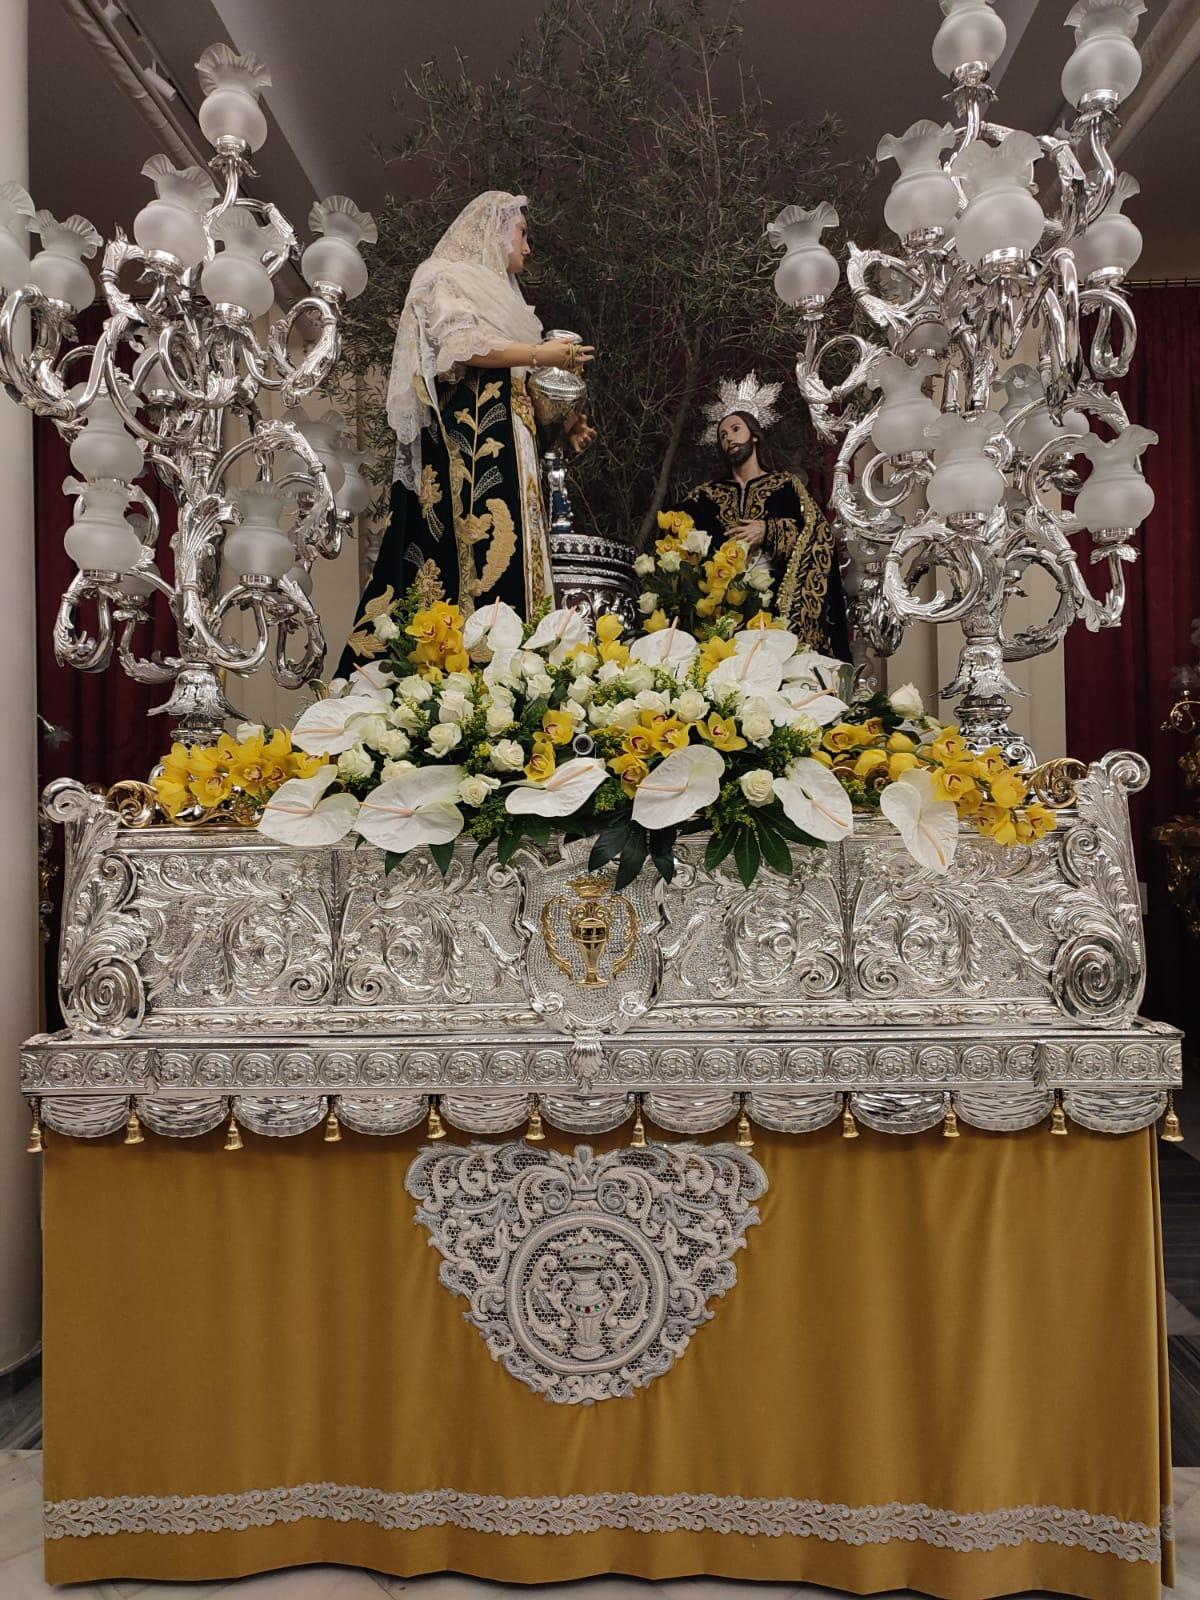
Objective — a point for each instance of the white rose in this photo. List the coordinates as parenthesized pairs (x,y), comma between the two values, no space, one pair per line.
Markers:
(459,682)
(585,662)
(413,688)
(473,791)
(443,736)
(395,769)
(355,763)
(647,602)
(609,672)
(508,756)
(759,578)
(248,730)
(697,543)
(907,702)
(538,685)
(499,716)
(370,729)
(385,629)
(406,717)
(691,706)
(622,715)
(758,786)
(671,562)
(644,566)
(581,689)
(393,743)
(574,709)
(651,700)
(454,706)
(757,727)
(638,676)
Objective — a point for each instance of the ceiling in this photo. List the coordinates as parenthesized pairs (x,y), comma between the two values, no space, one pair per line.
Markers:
(337,67)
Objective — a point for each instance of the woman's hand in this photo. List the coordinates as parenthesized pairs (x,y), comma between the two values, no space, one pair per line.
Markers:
(579,434)
(752,534)
(563,353)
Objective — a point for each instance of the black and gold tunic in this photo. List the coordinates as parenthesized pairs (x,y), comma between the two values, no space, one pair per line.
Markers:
(476,523)
(799,545)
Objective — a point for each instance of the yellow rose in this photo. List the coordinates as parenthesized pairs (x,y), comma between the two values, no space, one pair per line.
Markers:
(542,762)
(868,761)
(902,761)
(1008,789)
(655,622)
(560,726)
(721,733)
(609,627)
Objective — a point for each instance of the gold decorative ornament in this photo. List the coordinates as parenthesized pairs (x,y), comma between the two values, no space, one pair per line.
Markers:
(133,1128)
(1053,782)
(535,1133)
(233,1135)
(638,1141)
(35,1143)
(333,1128)
(745,1135)
(591,919)
(1058,1117)
(849,1126)
(1172,1133)
(950,1120)
(436,1128)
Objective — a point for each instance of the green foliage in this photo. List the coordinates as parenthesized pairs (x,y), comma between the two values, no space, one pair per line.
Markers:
(653,165)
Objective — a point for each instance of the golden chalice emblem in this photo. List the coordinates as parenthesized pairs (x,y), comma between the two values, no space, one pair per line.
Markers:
(593,920)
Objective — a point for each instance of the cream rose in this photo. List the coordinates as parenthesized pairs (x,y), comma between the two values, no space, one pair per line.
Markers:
(697,543)
(691,706)
(474,790)
(385,629)
(644,566)
(443,736)
(758,786)
(507,756)
(355,763)
(906,701)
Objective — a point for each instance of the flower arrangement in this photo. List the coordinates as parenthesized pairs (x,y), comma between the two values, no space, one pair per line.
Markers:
(504,731)
(233,778)
(706,591)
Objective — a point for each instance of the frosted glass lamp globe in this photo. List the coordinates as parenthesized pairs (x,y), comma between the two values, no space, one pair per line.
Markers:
(103,448)
(1111,245)
(16,216)
(357,491)
(906,411)
(965,480)
(1023,387)
(322,434)
(171,224)
(334,257)
(970,32)
(58,269)
(1001,214)
(256,547)
(302,580)
(232,85)
(923,197)
(1105,62)
(100,539)
(808,271)
(236,276)
(1116,495)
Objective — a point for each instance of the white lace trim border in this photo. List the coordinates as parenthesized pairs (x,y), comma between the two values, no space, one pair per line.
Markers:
(594,1513)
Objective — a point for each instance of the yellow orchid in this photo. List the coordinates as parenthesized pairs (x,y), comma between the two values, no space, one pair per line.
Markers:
(609,627)
(714,650)
(213,786)
(901,744)
(764,619)
(300,765)
(970,801)
(1008,789)
(1041,818)
(736,596)
(639,742)
(656,621)
(721,733)
(666,732)
(615,651)
(869,761)
(678,522)
(707,605)
(950,747)
(846,736)
(996,822)
(631,769)
(173,793)
(542,762)
(951,785)
(990,763)
(823,757)
(559,726)
(901,761)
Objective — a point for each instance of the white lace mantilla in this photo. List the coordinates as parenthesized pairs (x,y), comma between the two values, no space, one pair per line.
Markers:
(587,1275)
(594,1513)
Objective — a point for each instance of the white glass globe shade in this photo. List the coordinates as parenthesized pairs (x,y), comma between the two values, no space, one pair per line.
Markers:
(103,449)
(971,31)
(238,280)
(926,338)
(1114,497)
(1106,63)
(14,261)
(1112,242)
(173,227)
(1005,217)
(100,539)
(805,272)
(138,588)
(335,261)
(356,492)
(233,113)
(920,200)
(1040,429)
(62,277)
(956,487)
(255,547)
(302,580)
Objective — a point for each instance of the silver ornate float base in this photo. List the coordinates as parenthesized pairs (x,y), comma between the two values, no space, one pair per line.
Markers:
(207,972)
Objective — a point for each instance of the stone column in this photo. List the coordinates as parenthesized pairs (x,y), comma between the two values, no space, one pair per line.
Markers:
(19,950)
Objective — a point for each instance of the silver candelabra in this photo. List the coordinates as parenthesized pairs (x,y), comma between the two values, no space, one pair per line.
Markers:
(954,455)
(172,383)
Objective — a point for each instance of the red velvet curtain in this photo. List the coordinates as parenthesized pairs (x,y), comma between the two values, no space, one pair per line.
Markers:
(1118,683)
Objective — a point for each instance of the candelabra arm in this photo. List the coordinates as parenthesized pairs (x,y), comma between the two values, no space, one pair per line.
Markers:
(298,381)
(822,397)
(33,378)
(294,673)
(1104,360)
(1101,124)
(216,652)
(963,558)
(143,670)
(73,646)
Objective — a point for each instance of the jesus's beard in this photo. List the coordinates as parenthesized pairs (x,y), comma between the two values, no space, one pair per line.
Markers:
(737,454)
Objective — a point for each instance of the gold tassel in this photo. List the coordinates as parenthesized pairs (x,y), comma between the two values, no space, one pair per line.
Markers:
(849,1126)
(638,1142)
(36,1144)
(950,1120)
(535,1133)
(333,1128)
(1058,1117)
(233,1137)
(133,1128)
(1172,1133)
(436,1128)
(745,1137)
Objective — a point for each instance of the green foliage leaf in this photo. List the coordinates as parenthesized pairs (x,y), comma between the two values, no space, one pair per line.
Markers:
(662,851)
(443,855)
(747,857)
(633,855)
(774,848)
(719,847)
(609,843)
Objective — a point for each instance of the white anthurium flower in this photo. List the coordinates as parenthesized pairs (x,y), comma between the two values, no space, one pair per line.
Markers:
(418,808)
(756,670)
(563,792)
(497,626)
(325,729)
(673,649)
(928,826)
(815,801)
(678,787)
(297,814)
(810,700)
(812,667)
(562,629)
(373,680)
(777,641)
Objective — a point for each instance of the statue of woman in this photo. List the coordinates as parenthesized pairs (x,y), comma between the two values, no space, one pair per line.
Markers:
(467,508)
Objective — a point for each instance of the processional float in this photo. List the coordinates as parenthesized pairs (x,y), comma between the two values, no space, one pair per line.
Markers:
(209,975)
